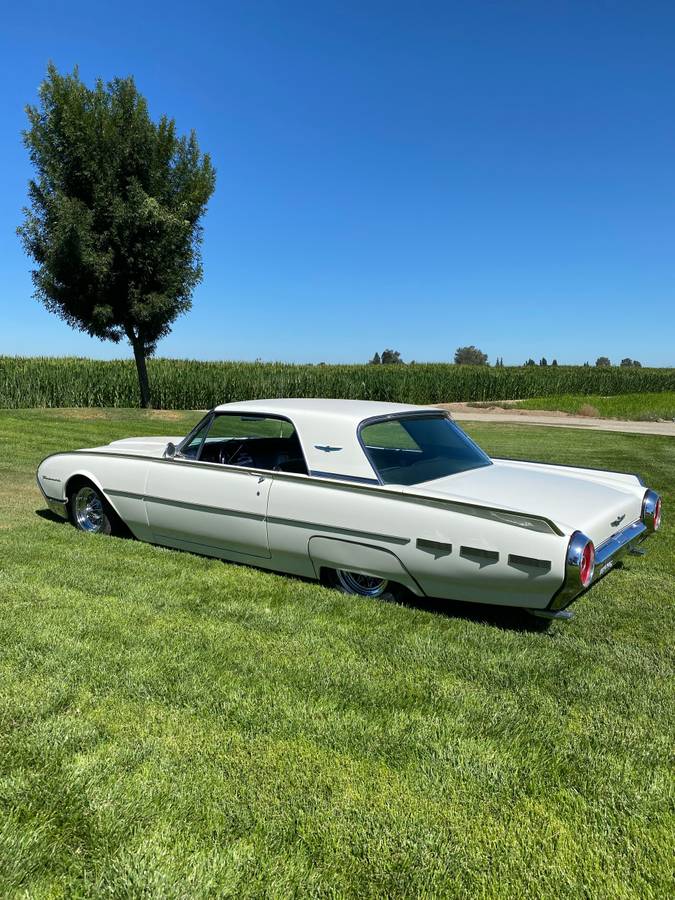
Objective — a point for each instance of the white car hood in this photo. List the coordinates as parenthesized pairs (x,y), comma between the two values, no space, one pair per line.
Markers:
(573,501)
(137,446)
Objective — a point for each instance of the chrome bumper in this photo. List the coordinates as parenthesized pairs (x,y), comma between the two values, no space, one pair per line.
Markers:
(606,557)
(59,507)
(617,546)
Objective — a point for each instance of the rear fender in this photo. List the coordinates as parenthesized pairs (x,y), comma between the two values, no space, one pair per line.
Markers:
(333,553)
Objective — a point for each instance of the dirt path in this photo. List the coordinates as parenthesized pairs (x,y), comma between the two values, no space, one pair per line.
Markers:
(463,413)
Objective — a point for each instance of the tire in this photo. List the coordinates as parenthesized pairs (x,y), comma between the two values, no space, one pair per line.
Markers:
(357,585)
(89,510)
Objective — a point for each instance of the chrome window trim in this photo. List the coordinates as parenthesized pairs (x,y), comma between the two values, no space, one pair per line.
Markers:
(186,440)
(212,415)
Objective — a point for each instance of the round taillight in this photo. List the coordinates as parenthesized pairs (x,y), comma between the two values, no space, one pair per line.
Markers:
(651,510)
(587,564)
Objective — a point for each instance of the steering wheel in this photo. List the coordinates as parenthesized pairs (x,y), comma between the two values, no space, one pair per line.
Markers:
(225,458)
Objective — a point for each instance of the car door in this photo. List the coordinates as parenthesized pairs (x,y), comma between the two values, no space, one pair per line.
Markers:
(198,501)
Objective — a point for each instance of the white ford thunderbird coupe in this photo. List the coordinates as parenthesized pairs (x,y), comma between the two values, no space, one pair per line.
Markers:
(373,498)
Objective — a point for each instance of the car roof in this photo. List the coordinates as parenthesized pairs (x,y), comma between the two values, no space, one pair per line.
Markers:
(328,429)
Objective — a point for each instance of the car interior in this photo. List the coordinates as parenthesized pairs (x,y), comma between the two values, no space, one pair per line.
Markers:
(278,454)
(250,441)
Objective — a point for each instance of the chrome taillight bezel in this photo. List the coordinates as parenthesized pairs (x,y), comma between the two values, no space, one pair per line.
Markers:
(579,545)
(651,510)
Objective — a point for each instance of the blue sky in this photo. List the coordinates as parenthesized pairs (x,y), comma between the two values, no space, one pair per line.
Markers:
(390,174)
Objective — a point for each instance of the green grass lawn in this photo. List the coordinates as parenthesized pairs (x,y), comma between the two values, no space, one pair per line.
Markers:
(174,726)
(638,407)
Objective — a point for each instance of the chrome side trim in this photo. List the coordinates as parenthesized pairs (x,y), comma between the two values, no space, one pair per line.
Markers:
(478,553)
(506,516)
(315,473)
(529,562)
(183,504)
(275,520)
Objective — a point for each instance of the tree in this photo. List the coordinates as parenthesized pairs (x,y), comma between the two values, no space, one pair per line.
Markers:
(543,361)
(391,357)
(632,363)
(555,362)
(530,362)
(375,361)
(603,361)
(115,211)
(470,356)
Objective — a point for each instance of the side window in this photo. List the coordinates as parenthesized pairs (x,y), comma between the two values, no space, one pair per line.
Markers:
(258,442)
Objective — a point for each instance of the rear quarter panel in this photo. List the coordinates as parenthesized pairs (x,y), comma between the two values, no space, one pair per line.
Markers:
(452,555)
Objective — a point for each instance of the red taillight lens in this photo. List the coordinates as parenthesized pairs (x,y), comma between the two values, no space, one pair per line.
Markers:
(657,514)
(587,564)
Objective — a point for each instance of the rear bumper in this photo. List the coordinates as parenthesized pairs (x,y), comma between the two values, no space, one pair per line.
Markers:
(606,557)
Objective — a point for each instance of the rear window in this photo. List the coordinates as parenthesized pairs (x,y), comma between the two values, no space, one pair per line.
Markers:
(414,449)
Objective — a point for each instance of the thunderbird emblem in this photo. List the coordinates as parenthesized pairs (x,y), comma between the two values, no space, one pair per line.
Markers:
(326,448)
(618,521)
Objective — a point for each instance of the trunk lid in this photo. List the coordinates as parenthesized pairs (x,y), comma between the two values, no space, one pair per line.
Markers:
(574,502)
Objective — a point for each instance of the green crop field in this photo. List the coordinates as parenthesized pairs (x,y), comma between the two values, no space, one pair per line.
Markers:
(188,384)
(173,726)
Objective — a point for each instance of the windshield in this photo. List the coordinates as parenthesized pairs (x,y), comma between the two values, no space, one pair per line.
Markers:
(414,449)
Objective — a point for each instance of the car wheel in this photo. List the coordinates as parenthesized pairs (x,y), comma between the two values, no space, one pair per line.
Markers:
(89,510)
(355,583)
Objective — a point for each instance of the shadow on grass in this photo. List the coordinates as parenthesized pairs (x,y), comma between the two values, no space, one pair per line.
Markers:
(120,529)
(50,516)
(506,617)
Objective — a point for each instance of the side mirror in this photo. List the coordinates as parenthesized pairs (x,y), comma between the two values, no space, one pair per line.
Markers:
(170,451)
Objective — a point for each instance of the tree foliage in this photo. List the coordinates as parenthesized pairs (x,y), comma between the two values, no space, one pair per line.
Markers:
(603,361)
(627,362)
(470,356)
(115,210)
(388,358)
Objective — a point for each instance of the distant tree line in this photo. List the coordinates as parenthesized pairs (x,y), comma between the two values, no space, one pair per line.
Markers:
(472,356)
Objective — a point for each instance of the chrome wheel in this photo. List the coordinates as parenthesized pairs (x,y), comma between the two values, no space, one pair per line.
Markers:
(89,512)
(365,585)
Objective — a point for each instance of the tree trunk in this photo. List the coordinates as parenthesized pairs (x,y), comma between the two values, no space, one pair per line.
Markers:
(141,368)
